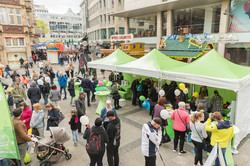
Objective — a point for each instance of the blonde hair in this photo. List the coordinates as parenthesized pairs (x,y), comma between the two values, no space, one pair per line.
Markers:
(37,107)
(196,116)
(49,105)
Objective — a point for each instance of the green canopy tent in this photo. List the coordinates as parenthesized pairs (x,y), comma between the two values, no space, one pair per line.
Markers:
(110,62)
(150,65)
(215,71)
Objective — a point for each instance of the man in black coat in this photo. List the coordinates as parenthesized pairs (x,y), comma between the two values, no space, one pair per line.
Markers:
(87,87)
(34,93)
(134,90)
(114,134)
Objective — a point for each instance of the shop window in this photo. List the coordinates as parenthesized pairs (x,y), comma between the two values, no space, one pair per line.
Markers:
(121,30)
(140,45)
(21,42)
(134,46)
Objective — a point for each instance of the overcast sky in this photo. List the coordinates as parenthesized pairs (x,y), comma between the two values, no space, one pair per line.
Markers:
(60,6)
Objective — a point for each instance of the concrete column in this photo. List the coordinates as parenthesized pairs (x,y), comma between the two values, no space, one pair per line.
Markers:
(208,20)
(169,22)
(224,19)
(159,28)
(126,21)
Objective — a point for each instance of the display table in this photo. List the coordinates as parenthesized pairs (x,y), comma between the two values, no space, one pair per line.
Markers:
(102,97)
(77,89)
(126,94)
(169,128)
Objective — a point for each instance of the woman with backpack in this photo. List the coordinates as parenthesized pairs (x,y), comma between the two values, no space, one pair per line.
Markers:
(53,116)
(74,125)
(71,89)
(96,147)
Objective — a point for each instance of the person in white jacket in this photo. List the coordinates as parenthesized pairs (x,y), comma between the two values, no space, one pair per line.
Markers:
(151,139)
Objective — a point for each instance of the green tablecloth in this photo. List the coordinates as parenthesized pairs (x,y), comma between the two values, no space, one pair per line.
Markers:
(102,96)
(169,128)
(77,89)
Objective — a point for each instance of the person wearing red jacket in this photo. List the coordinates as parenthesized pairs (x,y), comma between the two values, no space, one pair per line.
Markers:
(27,113)
(181,120)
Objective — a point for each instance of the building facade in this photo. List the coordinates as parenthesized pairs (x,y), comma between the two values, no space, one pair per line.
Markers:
(62,27)
(16,30)
(97,21)
(150,20)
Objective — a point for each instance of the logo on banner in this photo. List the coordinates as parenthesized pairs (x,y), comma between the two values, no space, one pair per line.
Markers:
(126,37)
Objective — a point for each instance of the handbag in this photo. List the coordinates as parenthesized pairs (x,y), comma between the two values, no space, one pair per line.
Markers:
(35,131)
(165,138)
(116,96)
(187,126)
(61,117)
(203,140)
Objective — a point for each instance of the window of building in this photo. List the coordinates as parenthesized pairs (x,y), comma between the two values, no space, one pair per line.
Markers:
(103,34)
(113,3)
(121,30)
(19,17)
(14,41)
(21,41)
(100,4)
(11,16)
(164,23)
(8,42)
(28,18)
(143,26)
(197,20)
(104,18)
(104,3)
(239,16)
(100,19)
(111,32)
(134,46)
(140,45)
(119,2)
(108,19)
(3,15)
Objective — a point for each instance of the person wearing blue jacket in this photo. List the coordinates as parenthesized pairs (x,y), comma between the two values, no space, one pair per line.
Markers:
(53,116)
(62,80)
(104,112)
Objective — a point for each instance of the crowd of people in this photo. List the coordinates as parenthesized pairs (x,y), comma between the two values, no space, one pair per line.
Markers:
(106,130)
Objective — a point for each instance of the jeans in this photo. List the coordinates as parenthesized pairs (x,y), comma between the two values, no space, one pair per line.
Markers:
(7,74)
(72,100)
(22,150)
(64,89)
(217,161)
(179,135)
(112,154)
(45,97)
(116,103)
(96,159)
(150,161)
(4,162)
(74,134)
(67,72)
(51,81)
(198,152)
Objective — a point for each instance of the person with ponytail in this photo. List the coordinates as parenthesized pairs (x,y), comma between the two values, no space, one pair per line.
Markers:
(217,103)
(198,135)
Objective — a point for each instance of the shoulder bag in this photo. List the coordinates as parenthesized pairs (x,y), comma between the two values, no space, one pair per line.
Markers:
(187,127)
(202,139)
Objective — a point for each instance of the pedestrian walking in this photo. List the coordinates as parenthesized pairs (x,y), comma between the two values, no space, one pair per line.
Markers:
(62,80)
(67,68)
(114,131)
(34,93)
(151,139)
(5,86)
(37,120)
(21,62)
(72,68)
(21,134)
(198,136)
(51,75)
(55,95)
(45,90)
(81,109)
(87,87)
(181,120)
(94,83)
(53,116)
(25,81)
(7,70)
(96,138)
(71,89)
(74,125)
(27,72)
(222,133)
(18,94)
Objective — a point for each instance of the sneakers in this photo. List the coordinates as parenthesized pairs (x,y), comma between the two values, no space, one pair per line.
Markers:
(182,153)
(174,150)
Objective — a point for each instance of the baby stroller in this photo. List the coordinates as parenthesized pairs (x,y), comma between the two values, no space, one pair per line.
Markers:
(51,149)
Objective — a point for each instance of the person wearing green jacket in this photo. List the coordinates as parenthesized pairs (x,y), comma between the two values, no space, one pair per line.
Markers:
(222,132)
(18,94)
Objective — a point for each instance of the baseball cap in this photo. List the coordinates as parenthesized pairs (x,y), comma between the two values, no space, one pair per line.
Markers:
(110,113)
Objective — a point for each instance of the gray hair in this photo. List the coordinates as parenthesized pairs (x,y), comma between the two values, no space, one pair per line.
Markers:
(181,104)
(33,83)
(108,102)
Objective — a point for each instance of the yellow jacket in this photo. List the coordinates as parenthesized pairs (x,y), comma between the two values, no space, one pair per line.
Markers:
(222,132)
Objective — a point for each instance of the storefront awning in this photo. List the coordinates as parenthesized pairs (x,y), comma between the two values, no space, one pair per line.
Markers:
(163,6)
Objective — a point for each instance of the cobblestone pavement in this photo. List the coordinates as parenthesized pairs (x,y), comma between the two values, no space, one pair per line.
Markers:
(132,119)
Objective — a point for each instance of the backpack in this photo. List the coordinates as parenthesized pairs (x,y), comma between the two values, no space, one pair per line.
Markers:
(139,87)
(46,87)
(93,147)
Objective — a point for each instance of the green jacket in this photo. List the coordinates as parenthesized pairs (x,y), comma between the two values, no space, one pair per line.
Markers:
(18,91)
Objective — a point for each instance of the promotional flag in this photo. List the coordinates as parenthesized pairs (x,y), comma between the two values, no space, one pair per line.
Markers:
(8,144)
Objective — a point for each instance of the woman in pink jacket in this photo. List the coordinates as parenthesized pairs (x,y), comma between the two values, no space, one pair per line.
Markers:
(27,113)
(181,119)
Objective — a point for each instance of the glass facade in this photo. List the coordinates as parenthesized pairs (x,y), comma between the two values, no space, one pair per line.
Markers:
(239,16)
(111,32)
(197,20)
(238,53)
(103,34)
(65,27)
(143,26)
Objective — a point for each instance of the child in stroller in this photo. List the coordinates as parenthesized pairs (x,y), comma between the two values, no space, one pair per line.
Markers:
(51,149)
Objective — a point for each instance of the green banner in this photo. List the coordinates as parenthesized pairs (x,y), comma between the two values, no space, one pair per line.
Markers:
(8,144)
